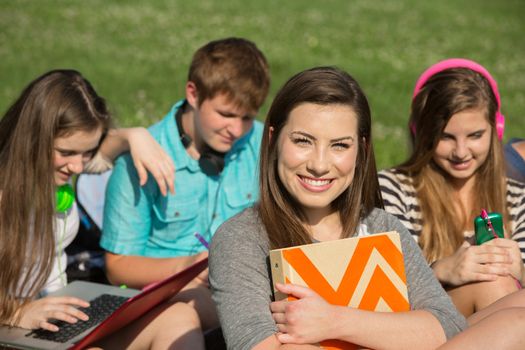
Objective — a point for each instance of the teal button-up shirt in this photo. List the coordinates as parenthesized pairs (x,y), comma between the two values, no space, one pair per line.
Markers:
(140,221)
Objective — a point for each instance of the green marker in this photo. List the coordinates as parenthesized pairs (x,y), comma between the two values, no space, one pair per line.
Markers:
(123,286)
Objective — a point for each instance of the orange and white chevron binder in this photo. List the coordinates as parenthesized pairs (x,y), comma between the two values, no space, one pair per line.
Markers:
(361,272)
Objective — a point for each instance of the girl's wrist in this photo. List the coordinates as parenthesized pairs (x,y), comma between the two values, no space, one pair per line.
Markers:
(436,267)
(339,319)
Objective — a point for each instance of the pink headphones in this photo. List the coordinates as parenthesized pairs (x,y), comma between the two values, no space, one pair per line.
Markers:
(462,63)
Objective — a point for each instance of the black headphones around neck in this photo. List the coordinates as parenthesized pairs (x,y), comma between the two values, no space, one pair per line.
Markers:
(211,162)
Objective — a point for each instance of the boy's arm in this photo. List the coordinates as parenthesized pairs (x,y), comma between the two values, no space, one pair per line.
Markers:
(139,271)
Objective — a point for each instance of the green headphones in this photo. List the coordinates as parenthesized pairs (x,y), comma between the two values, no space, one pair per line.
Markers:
(65,196)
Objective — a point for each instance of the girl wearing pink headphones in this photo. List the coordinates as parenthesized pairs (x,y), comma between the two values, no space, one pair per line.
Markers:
(54,129)
(456,169)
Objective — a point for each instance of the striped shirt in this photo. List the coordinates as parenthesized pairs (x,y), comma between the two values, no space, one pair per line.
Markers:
(400,199)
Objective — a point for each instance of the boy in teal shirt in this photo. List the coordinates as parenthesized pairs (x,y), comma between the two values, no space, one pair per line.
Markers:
(214,140)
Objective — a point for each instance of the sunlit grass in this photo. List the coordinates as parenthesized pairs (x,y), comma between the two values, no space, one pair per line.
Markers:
(136,53)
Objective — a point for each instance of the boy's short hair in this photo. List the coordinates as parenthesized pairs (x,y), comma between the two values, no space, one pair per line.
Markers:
(234,67)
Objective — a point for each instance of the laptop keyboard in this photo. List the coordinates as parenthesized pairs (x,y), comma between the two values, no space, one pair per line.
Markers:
(99,309)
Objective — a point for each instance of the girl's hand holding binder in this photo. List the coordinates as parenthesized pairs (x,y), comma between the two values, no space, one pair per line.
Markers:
(307,320)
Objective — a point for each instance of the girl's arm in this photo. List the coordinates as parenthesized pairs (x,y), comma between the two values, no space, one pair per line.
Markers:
(147,155)
(311,319)
(240,282)
(273,343)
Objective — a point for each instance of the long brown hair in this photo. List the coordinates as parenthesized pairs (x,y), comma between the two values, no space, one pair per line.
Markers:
(56,104)
(445,94)
(281,216)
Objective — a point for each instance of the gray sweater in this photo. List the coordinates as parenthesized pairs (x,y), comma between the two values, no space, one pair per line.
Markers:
(241,283)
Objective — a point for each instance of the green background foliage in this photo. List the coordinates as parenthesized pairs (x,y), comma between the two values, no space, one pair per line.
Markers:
(136,53)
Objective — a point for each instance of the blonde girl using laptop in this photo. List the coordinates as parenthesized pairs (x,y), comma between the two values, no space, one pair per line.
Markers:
(56,126)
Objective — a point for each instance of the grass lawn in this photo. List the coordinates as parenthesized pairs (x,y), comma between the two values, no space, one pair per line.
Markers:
(136,53)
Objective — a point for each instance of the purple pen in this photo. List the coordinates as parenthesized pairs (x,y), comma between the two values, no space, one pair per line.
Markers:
(202,240)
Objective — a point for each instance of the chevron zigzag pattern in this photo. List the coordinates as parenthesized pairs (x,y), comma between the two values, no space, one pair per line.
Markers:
(362,272)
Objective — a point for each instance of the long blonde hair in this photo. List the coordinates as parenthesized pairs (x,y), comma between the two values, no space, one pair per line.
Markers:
(443,95)
(56,104)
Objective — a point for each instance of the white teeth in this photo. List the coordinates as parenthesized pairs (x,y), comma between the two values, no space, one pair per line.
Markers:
(456,163)
(314,182)
(459,161)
